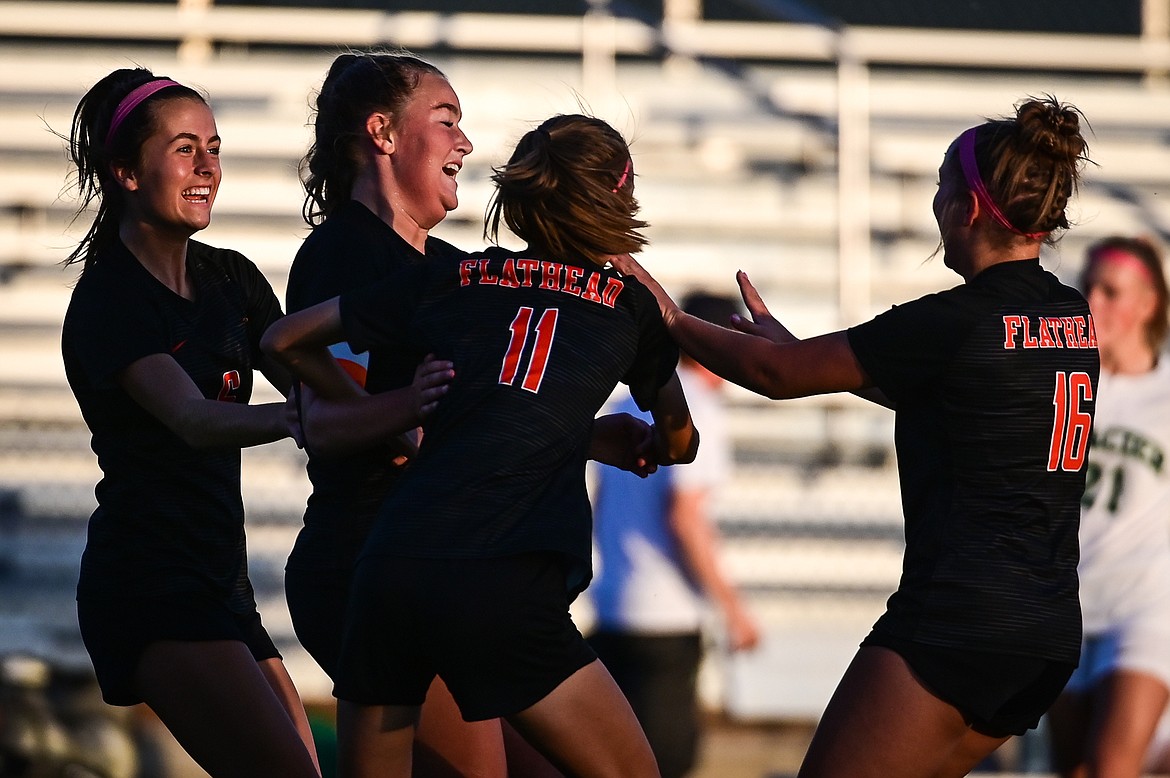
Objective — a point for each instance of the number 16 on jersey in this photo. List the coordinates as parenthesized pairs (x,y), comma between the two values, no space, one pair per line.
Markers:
(1070,425)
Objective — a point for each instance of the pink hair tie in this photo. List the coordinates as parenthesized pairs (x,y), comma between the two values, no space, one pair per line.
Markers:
(133,100)
(625,175)
(975,182)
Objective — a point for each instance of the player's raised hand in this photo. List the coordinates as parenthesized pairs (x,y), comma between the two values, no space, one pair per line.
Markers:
(762,323)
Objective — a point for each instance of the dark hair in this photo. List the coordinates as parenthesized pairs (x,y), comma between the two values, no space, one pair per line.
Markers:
(356,86)
(92,150)
(568,191)
(1145,251)
(1030,164)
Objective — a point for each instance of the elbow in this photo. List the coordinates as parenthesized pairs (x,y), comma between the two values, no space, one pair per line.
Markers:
(276,344)
(772,385)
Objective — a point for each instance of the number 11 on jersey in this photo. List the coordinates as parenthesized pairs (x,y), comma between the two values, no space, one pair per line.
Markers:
(1070,425)
(546,328)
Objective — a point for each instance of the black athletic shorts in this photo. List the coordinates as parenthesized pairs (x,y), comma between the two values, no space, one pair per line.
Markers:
(997,694)
(116,632)
(496,630)
(317,600)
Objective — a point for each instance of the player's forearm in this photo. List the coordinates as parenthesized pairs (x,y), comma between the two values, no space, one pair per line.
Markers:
(335,427)
(745,360)
(299,342)
(216,424)
(676,441)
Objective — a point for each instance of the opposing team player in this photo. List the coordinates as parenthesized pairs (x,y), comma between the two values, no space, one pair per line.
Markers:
(160,342)
(1103,722)
(476,554)
(993,383)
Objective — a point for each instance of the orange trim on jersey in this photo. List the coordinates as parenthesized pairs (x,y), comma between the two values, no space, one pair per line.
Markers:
(354,370)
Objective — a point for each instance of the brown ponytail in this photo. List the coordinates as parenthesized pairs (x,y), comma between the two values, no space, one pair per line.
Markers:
(568,191)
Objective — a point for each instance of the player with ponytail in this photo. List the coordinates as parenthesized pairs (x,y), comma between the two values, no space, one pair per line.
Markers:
(478,551)
(160,343)
(993,384)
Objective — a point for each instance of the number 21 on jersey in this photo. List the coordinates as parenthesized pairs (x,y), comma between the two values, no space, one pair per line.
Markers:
(1070,425)
(546,329)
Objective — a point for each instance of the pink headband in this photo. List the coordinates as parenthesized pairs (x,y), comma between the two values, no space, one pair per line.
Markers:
(133,100)
(625,175)
(1122,257)
(975,182)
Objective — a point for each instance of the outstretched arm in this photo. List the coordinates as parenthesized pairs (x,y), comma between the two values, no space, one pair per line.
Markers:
(795,368)
(160,385)
(764,324)
(341,415)
(337,426)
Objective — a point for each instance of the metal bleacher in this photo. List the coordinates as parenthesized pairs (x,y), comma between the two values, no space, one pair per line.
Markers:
(737,168)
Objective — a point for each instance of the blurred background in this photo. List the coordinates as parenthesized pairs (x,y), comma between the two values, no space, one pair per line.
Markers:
(798,141)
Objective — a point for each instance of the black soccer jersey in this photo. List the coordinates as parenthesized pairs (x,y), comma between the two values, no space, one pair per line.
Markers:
(170,517)
(994,383)
(538,346)
(352,249)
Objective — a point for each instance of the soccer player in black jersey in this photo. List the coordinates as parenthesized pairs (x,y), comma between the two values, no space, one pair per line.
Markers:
(381,173)
(476,554)
(993,383)
(160,341)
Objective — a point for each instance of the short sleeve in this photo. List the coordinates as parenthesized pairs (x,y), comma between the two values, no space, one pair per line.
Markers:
(912,344)
(657,354)
(104,335)
(317,274)
(261,303)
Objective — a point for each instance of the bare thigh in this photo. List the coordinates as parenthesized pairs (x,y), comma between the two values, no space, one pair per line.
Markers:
(388,742)
(447,746)
(882,723)
(586,728)
(282,686)
(219,705)
(375,741)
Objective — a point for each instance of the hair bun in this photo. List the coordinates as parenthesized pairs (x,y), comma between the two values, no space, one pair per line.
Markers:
(1051,127)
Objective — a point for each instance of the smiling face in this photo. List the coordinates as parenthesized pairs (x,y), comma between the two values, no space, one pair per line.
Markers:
(172,185)
(428,152)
